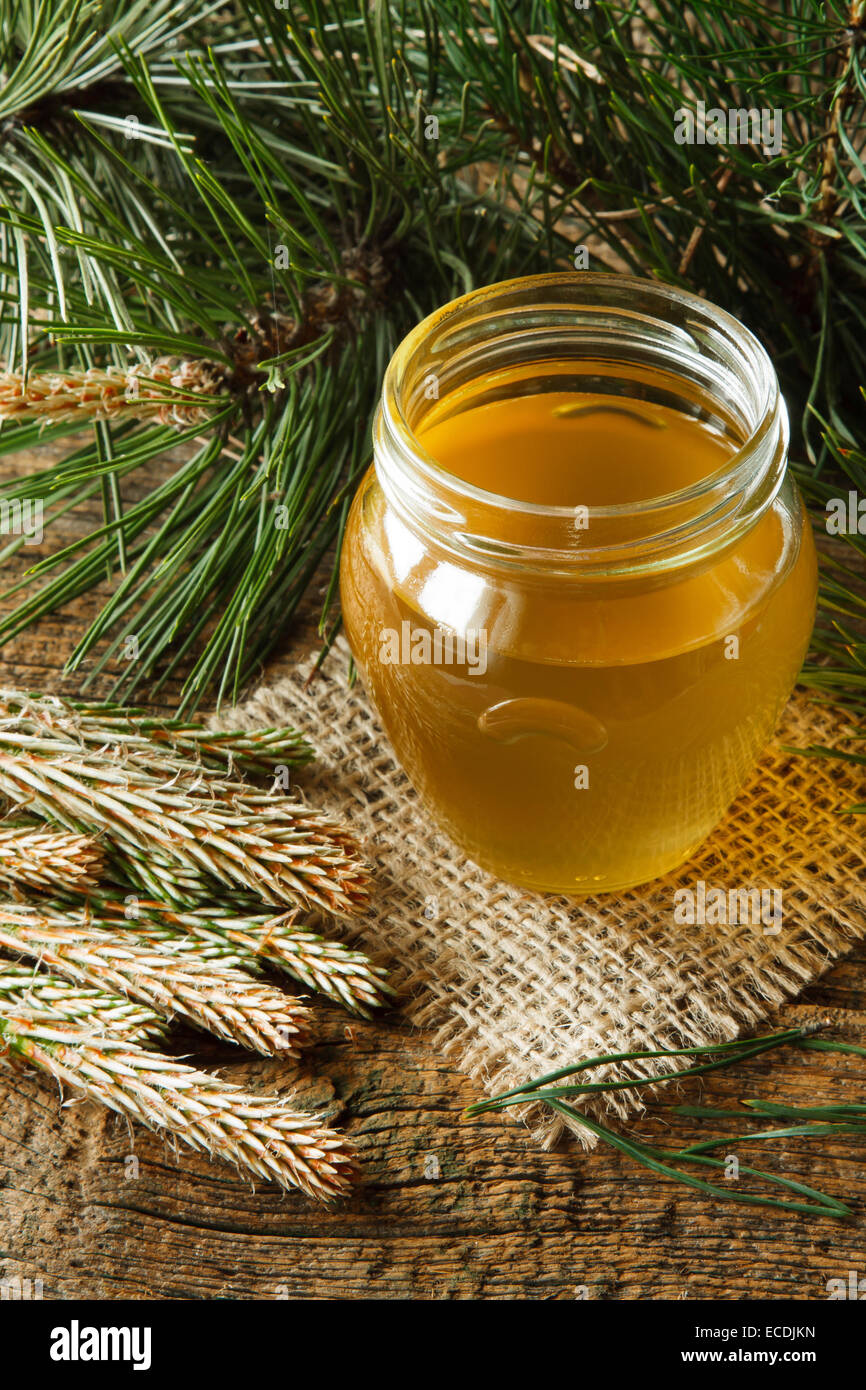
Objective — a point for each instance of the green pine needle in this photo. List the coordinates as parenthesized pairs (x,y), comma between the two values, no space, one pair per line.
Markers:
(833,1120)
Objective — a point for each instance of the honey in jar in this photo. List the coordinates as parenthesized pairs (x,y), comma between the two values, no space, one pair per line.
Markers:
(577,581)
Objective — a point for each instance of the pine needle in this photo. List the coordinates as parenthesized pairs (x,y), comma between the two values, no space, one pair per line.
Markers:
(674,1163)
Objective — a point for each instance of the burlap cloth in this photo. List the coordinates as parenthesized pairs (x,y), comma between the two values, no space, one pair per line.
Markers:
(514,984)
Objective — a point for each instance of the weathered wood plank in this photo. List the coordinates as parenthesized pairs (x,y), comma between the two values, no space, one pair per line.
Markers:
(448,1208)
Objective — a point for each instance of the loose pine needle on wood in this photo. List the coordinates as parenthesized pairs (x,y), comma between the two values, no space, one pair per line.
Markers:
(559,1092)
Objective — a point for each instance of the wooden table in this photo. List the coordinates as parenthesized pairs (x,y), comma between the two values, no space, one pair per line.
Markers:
(492,1217)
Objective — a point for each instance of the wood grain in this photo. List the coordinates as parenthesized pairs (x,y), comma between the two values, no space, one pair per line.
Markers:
(448,1207)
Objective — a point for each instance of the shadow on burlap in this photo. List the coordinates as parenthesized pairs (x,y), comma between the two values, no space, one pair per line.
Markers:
(513,984)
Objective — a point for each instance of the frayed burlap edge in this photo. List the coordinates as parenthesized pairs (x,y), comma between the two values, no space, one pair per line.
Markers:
(512,984)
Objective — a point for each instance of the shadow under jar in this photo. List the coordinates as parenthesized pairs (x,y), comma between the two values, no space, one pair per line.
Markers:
(577,581)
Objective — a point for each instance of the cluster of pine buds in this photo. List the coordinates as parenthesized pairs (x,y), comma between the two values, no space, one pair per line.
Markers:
(147,878)
(172,391)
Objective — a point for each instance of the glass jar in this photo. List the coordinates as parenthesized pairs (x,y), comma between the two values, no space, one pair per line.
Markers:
(578,692)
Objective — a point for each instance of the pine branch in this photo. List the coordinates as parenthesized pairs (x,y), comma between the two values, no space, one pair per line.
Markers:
(316,329)
(329,967)
(176,828)
(284,218)
(211,993)
(159,742)
(261,1135)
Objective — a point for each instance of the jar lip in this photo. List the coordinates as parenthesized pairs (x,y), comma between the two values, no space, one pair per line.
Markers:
(732,475)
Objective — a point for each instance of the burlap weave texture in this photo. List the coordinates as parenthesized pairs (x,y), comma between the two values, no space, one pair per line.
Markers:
(513,984)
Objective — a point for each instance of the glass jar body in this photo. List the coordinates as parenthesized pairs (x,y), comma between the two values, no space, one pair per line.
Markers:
(578,705)
(586,755)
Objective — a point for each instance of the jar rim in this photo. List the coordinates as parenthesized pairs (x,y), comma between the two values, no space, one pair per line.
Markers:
(581,291)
